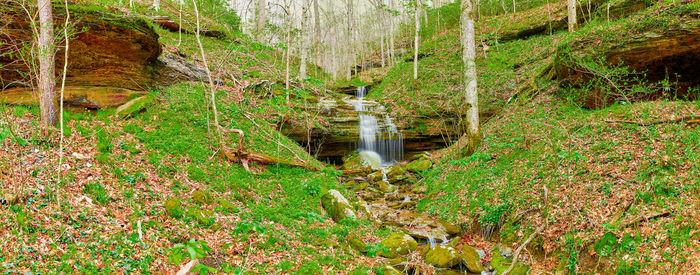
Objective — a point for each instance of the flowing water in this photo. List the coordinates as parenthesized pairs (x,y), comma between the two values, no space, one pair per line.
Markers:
(379,137)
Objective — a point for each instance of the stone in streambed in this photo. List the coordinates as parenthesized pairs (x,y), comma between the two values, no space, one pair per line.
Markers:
(470,259)
(419,165)
(376,176)
(337,206)
(396,245)
(386,187)
(450,228)
(442,256)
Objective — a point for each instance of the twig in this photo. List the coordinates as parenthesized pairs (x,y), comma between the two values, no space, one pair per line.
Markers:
(517,251)
(690,119)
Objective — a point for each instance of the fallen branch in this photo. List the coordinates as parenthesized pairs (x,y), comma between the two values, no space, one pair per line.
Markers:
(244,157)
(692,119)
(517,251)
(646,218)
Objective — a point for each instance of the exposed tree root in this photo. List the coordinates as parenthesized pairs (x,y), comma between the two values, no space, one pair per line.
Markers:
(246,158)
(520,248)
(646,218)
(693,119)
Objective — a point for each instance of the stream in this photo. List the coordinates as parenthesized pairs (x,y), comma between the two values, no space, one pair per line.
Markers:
(387,194)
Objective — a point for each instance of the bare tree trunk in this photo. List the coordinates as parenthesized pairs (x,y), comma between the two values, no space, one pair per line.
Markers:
(179,26)
(156,5)
(63,87)
(260,18)
(392,40)
(317,32)
(288,24)
(47,82)
(206,67)
(572,14)
(470,92)
(304,42)
(416,40)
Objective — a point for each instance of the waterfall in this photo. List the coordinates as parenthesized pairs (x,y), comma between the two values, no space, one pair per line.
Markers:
(377,135)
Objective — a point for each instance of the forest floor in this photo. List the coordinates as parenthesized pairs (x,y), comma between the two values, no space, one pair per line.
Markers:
(141,194)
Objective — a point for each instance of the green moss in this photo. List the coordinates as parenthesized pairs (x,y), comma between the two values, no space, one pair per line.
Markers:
(202,197)
(173,207)
(201,217)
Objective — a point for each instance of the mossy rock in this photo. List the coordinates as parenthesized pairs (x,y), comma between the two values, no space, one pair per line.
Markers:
(386,187)
(337,206)
(376,176)
(390,270)
(202,217)
(135,106)
(173,207)
(356,243)
(470,259)
(202,197)
(419,165)
(396,245)
(501,264)
(227,207)
(450,228)
(442,256)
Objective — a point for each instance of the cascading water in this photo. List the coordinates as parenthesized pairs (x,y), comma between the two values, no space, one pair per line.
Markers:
(379,138)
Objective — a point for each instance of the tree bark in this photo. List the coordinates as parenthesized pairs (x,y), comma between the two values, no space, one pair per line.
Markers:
(206,67)
(47,52)
(392,41)
(416,40)
(304,40)
(260,19)
(470,92)
(317,32)
(571,4)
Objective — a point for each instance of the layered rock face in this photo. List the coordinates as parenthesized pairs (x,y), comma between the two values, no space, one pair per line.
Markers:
(106,50)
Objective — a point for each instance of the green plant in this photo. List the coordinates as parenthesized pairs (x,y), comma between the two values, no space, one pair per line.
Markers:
(192,249)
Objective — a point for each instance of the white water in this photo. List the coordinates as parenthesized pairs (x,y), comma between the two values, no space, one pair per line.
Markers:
(380,136)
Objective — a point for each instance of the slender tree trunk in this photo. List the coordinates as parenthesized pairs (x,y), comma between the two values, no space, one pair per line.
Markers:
(206,67)
(317,32)
(381,42)
(63,87)
(288,24)
(260,18)
(179,26)
(470,92)
(156,5)
(47,82)
(304,40)
(571,4)
(416,40)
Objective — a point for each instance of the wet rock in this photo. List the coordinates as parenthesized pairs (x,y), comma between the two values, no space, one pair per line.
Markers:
(442,256)
(470,259)
(362,208)
(419,165)
(501,264)
(134,106)
(356,243)
(386,187)
(173,207)
(337,206)
(357,161)
(376,176)
(397,244)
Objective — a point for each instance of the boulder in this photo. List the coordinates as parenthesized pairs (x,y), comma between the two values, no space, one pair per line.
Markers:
(419,165)
(134,106)
(501,264)
(386,187)
(337,206)
(173,207)
(356,243)
(470,259)
(442,256)
(396,245)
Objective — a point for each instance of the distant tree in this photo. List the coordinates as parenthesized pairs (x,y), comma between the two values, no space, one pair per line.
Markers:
(304,38)
(471,98)
(416,38)
(317,32)
(260,18)
(156,5)
(571,4)
(47,52)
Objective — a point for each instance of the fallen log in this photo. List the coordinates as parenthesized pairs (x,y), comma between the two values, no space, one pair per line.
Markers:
(246,158)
